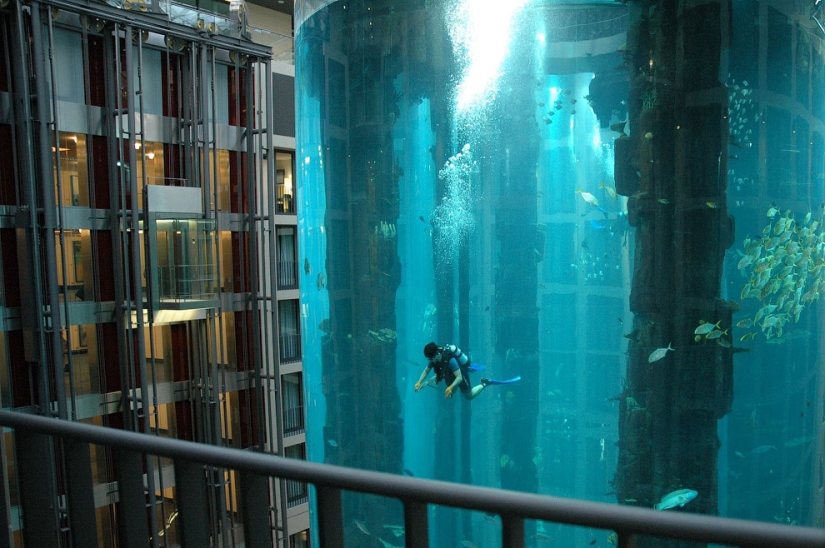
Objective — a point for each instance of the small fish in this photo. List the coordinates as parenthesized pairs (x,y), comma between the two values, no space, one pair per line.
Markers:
(746,323)
(716,333)
(706,327)
(597,225)
(663,201)
(333,443)
(421,218)
(745,262)
(322,281)
(659,353)
(408,472)
(589,198)
(711,205)
(676,498)
(307,267)
(362,527)
(762,449)
(724,343)
(610,191)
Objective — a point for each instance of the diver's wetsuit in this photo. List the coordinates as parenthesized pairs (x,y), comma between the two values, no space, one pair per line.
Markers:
(453,359)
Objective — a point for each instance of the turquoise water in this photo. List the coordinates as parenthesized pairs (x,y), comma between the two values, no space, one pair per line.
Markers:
(458,181)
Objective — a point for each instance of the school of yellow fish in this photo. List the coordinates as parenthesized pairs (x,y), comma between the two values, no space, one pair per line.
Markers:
(785,270)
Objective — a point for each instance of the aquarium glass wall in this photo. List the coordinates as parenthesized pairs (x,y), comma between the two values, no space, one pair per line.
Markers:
(615,211)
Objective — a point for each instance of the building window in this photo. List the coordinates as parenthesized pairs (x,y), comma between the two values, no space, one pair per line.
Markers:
(289,339)
(71,180)
(287,263)
(299,540)
(284,178)
(293,404)
(296,491)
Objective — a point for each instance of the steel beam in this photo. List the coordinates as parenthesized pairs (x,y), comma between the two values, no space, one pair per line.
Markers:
(191,497)
(255,510)
(512,532)
(416,531)
(133,531)
(38,494)
(80,493)
(330,517)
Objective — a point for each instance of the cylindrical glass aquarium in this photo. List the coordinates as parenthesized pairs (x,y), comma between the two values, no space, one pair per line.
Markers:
(614,209)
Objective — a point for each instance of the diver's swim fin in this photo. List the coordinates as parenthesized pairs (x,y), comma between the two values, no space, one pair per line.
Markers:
(475,367)
(496,381)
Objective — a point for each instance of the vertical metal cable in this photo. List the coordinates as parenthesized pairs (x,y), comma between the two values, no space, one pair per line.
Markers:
(50,333)
(138,267)
(65,328)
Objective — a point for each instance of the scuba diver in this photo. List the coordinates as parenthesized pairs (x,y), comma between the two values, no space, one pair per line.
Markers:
(454,366)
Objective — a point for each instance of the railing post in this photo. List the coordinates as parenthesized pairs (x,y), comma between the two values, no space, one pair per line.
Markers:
(134,532)
(416,526)
(191,496)
(512,532)
(330,517)
(80,493)
(255,510)
(38,493)
(626,540)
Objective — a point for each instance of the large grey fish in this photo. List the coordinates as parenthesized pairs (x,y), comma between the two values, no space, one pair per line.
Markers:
(676,498)
(658,354)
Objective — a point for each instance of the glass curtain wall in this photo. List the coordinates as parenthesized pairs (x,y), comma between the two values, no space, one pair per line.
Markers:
(616,212)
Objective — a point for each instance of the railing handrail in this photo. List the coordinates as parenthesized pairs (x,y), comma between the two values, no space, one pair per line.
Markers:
(509,504)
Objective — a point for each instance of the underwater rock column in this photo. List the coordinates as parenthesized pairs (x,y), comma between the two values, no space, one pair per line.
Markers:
(673,168)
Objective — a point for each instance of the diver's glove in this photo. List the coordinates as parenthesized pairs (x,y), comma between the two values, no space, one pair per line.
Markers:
(449,392)
(418,386)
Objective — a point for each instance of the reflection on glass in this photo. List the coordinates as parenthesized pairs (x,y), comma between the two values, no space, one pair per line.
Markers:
(80,360)
(227,272)
(159,354)
(71,181)
(150,155)
(230,349)
(5,386)
(285,191)
(74,261)
(186,260)
(223,181)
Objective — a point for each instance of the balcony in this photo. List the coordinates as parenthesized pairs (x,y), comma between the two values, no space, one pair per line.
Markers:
(287,274)
(293,421)
(289,347)
(193,461)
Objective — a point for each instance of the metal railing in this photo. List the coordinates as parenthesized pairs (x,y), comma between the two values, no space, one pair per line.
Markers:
(188,282)
(294,421)
(289,347)
(287,274)
(255,470)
